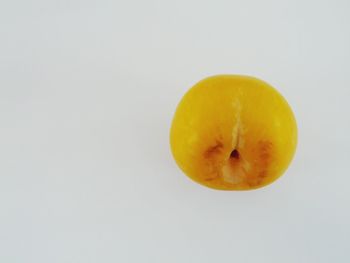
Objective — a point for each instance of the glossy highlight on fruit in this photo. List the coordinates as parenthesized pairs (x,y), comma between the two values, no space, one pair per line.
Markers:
(233,132)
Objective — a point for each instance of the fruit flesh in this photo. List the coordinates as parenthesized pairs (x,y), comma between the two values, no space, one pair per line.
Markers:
(233,132)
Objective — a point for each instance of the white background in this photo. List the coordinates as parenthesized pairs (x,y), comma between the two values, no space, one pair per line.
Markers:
(87,94)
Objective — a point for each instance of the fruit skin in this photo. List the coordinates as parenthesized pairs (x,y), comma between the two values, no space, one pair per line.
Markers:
(232,132)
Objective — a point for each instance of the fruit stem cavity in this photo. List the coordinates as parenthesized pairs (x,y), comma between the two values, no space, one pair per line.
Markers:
(234,154)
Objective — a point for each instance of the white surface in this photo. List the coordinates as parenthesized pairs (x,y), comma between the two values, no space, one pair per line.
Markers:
(87,93)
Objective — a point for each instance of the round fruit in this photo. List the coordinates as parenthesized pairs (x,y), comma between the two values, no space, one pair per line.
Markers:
(233,132)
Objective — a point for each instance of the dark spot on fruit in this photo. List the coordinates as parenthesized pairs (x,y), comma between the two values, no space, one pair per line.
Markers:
(265,148)
(262,174)
(265,157)
(209,179)
(253,182)
(213,150)
(234,154)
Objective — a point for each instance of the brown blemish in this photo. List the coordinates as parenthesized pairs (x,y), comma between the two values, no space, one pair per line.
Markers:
(258,178)
(210,179)
(251,182)
(264,154)
(213,150)
(265,148)
(262,174)
(211,154)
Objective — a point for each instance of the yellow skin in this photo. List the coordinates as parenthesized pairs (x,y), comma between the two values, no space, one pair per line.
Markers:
(233,132)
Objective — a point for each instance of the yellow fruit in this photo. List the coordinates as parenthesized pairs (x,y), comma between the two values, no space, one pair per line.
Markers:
(233,132)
